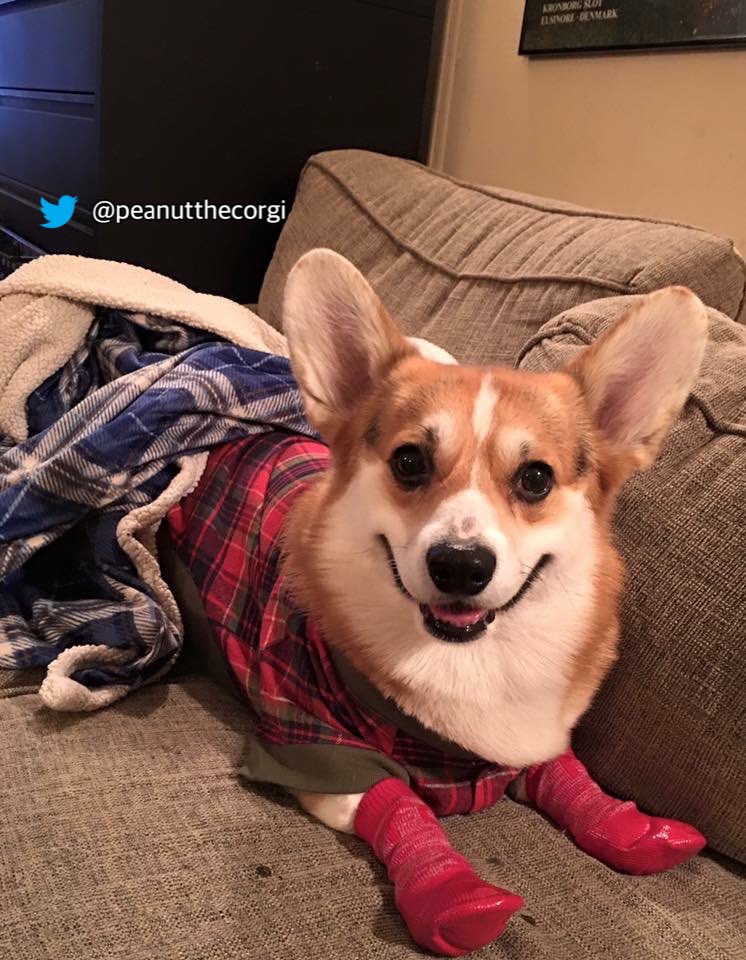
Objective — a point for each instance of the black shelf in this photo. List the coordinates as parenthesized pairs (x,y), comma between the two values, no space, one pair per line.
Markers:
(152,102)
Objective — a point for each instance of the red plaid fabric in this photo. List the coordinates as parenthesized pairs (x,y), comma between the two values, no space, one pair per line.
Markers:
(227,532)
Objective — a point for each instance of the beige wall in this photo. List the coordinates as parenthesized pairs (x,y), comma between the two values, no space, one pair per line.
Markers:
(654,134)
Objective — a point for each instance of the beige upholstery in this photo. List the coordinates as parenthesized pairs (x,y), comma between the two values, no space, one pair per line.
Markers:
(126,836)
(478,271)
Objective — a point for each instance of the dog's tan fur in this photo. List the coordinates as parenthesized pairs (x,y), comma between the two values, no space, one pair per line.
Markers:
(513,694)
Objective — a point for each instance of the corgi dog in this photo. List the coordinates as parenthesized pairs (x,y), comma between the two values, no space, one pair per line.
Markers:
(453,555)
(459,549)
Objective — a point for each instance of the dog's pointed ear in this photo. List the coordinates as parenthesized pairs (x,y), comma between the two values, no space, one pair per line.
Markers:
(340,336)
(636,377)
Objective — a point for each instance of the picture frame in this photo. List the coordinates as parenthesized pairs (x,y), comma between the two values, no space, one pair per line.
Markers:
(564,27)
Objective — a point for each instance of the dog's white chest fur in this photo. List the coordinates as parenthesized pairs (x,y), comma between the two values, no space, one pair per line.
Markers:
(503,695)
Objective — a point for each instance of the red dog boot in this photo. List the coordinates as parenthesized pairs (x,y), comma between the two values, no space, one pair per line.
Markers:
(445,905)
(616,833)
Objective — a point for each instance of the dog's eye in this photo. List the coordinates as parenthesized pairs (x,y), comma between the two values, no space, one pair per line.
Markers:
(411,465)
(534,481)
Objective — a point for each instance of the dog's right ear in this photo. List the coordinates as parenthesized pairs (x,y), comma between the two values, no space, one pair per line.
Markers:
(340,336)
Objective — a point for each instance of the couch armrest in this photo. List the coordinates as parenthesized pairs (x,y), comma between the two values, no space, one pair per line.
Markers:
(667,726)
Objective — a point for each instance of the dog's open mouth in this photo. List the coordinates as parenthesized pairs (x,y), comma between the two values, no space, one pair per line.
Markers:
(456,622)
(459,622)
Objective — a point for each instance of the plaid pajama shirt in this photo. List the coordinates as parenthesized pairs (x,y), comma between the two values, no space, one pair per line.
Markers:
(227,534)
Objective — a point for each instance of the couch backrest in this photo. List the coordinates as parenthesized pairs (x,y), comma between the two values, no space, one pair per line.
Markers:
(477,270)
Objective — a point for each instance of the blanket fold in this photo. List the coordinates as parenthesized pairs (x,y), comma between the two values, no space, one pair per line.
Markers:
(114,385)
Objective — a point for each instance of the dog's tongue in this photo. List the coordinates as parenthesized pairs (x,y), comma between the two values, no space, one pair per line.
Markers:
(458,616)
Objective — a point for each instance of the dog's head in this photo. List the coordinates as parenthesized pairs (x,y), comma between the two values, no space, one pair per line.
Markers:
(467,507)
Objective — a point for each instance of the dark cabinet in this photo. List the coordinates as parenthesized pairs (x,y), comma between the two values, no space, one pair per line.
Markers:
(152,102)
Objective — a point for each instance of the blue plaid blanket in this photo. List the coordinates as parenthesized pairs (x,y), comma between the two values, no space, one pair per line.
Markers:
(111,433)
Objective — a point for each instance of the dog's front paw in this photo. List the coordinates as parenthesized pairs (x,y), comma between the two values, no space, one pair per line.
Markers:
(447,908)
(612,831)
(458,915)
(633,842)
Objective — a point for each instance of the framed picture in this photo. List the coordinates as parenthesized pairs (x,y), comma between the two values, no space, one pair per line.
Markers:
(574,26)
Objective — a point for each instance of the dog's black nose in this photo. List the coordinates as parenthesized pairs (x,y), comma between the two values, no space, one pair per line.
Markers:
(464,569)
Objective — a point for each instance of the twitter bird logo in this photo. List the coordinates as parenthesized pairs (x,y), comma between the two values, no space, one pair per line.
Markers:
(57,214)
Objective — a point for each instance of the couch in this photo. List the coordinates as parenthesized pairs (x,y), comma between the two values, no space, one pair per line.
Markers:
(127,834)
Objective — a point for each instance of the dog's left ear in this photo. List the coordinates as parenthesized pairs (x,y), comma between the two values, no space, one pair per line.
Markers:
(340,336)
(636,377)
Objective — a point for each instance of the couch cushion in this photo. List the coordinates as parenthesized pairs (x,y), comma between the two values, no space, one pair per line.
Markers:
(479,270)
(668,726)
(127,836)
